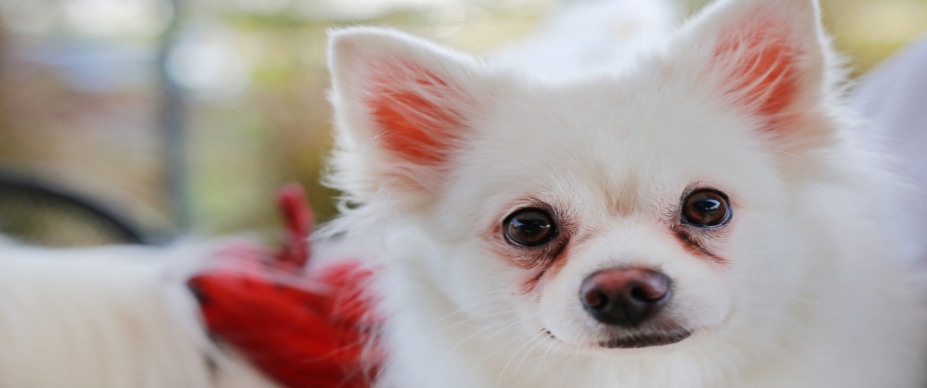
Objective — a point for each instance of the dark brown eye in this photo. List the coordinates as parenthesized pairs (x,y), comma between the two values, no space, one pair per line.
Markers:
(706,209)
(529,227)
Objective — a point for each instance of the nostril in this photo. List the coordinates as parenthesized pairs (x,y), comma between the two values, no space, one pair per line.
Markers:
(651,288)
(639,293)
(594,299)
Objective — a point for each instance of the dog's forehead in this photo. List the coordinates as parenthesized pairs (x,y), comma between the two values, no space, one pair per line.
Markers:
(620,137)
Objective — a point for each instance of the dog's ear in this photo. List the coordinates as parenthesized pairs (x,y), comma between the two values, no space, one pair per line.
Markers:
(402,105)
(769,57)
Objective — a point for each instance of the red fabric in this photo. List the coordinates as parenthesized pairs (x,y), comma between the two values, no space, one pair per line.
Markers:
(298,219)
(302,330)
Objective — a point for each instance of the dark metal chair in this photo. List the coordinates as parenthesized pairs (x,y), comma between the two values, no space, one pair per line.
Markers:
(39,213)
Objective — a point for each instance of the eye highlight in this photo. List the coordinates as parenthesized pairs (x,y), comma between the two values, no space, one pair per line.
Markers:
(529,227)
(706,208)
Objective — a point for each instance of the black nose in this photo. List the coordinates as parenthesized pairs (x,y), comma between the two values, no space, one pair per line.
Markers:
(625,297)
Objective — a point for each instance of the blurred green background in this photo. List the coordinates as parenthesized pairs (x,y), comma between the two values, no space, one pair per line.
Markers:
(82,102)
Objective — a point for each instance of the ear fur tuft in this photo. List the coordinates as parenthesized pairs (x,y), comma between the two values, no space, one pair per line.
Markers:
(768,56)
(401,107)
(414,111)
(762,56)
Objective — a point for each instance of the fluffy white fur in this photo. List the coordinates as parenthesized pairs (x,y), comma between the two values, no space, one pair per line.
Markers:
(813,294)
(108,318)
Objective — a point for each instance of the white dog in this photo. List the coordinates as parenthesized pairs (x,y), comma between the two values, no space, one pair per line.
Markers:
(695,214)
(115,317)
(661,208)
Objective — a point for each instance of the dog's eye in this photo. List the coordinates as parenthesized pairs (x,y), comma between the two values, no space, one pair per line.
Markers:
(529,227)
(706,209)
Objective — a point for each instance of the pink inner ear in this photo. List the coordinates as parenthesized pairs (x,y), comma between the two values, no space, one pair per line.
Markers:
(764,56)
(407,107)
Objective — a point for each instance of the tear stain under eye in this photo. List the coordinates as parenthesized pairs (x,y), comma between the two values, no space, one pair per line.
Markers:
(692,245)
(537,264)
(548,268)
(558,259)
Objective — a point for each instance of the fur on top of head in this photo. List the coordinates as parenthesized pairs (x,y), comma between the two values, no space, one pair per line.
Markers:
(405,107)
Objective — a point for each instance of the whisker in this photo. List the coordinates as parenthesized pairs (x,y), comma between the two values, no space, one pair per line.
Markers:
(505,325)
(511,358)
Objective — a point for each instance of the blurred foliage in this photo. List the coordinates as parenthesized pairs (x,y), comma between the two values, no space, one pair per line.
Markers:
(266,121)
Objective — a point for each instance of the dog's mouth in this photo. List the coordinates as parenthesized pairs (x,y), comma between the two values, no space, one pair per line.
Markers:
(646,340)
(642,340)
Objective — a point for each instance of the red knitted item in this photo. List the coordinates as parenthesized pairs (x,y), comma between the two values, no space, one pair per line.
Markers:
(301,329)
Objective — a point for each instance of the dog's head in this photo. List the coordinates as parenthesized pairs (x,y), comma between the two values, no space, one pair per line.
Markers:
(617,210)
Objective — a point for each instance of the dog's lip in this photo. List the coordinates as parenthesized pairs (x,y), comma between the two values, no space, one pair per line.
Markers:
(641,340)
(646,340)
